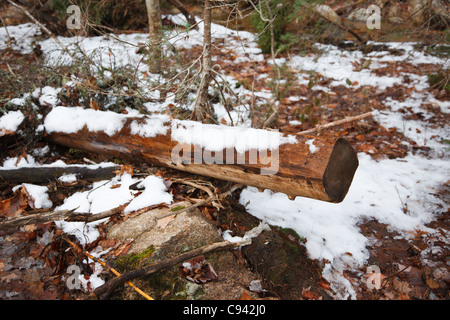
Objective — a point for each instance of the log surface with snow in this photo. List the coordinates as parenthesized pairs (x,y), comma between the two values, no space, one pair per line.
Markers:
(315,167)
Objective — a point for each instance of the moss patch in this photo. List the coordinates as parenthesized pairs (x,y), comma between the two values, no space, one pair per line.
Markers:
(134,261)
(292,233)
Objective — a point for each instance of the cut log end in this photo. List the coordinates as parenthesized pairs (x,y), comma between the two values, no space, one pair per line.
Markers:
(340,170)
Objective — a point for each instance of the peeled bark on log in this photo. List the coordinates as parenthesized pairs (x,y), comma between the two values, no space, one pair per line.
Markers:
(315,167)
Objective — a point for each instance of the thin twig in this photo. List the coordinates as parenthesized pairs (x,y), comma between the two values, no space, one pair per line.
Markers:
(29,15)
(196,185)
(224,100)
(203,202)
(110,285)
(336,123)
(271,118)
(66,215)
(117,273)
(9,42)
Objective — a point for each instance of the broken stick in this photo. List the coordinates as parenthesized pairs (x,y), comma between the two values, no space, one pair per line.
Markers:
(117,273)
(66,215)
(336,123)
(120,280)
(202,202)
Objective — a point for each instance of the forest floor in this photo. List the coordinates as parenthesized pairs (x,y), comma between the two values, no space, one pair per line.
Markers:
(394,220)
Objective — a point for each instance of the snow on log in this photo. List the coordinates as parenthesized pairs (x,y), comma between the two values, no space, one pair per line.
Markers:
(309,166)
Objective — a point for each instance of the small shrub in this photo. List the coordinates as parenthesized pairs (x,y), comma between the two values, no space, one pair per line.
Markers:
(295,23)
(280,10)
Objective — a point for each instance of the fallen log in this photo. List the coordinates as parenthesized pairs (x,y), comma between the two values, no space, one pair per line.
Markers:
(46,174)
(315,167)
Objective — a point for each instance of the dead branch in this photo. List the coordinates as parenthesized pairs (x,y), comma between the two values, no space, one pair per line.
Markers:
(111,284)
(203,202)
(44,28)
(46,174)
(201,110)
(117,273)
(336,123)
(271,118)
(66,215)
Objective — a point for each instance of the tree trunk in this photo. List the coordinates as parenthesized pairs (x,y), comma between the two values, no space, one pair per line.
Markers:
(154,22)
(202,110)
(308,166)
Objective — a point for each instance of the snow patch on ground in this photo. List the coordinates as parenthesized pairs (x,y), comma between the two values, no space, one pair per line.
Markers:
(340,65)
(38,194)
(20,37)
(380,190)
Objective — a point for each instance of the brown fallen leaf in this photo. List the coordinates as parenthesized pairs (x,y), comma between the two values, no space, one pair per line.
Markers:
(415,277)
(108,243)
(123,248)
(198,270)
(94,105)
(22,156)
(162,223)
(15,205)
(401,286)
(245,296)
(324,285)
(432,284)
(307,294)
(402,296)
(9,276)
(389,295)
(125,169)
(5,132)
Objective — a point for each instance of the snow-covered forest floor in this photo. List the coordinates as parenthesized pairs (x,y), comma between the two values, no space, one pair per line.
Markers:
(394,217)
